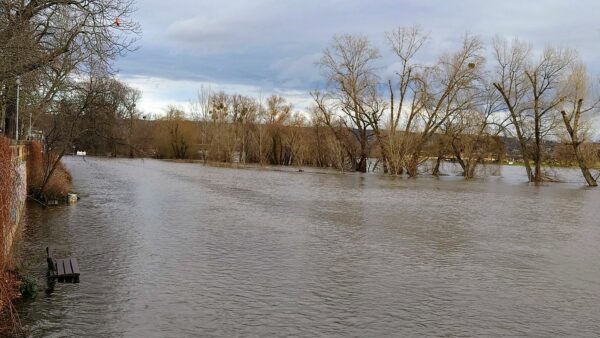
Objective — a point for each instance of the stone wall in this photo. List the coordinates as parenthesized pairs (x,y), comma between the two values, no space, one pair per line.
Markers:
(19,162)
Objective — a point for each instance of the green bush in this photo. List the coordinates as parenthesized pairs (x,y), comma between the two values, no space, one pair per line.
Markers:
(29,286)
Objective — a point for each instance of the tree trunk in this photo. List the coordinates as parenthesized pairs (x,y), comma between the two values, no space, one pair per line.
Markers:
(470,171)
(460,161)
(362,164)
(412,166)
(10,112)
(436,168)
(591,181)
(538,152)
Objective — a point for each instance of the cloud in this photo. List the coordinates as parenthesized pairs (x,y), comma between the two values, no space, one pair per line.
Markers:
(202,36)
(297,71)
(271,45)
(159,93)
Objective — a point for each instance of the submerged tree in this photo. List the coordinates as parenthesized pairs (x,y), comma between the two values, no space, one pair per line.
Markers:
(348,65)
(531,93)
(405,43)
(577,91)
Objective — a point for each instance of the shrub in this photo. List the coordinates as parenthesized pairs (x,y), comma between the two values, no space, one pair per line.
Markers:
(59,184)
(35,167)
(29,286)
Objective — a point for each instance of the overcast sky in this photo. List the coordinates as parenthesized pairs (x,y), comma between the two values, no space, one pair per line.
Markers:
(261,47)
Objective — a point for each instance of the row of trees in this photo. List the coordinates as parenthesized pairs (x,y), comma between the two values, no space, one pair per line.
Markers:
(458,101)
(225,128)
(461,107)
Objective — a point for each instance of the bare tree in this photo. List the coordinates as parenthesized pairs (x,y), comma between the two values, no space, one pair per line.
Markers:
(348,65)
(101,27)
(278,112)
(531,92)
(444,90)
(577,89)
(200,112)
(34,34)
(510,82)
(63,123)
(244,111)
(405,43)
(475,132)
(545,79)
(179,144)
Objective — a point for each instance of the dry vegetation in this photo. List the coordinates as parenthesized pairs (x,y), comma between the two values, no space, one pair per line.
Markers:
(8,280)
(6,194)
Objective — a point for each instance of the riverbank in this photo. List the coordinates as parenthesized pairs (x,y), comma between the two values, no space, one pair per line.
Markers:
(449,171)
(13,192)
(21,173)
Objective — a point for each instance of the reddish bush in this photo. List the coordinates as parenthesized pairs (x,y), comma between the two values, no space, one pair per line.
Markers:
(35,167)
(59,184)
(9,320)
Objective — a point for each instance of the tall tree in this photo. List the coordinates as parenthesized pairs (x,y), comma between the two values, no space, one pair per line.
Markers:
(574,113)
(348,65)
(35,34)
(405,42)
(443,90)
(531,92)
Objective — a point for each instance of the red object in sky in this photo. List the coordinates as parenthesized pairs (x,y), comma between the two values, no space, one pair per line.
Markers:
(118,22)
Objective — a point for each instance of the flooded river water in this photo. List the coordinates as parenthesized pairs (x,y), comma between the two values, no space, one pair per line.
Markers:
(169,249)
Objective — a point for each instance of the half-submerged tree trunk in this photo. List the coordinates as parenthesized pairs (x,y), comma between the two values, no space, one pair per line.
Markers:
(576,143)
(436,168)
(362,164)
(517,125)
(413,165)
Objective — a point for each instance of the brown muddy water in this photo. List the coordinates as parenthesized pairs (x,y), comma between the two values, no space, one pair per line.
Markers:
(170,250)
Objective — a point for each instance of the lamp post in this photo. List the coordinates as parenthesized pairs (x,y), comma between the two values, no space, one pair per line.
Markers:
(17,119)
(131,112)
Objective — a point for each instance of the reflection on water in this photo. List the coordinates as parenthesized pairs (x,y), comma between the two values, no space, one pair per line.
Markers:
(170,249)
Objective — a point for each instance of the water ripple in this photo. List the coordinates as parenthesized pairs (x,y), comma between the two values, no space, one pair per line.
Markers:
(172,249)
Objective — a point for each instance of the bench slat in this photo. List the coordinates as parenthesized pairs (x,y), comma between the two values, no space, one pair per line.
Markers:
(74,266)
(60,267)
(68,270)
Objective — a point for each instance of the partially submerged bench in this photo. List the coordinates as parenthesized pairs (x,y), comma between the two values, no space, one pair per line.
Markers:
(65,270)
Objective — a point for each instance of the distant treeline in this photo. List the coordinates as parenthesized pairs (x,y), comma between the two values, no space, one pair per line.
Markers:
(272,134)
